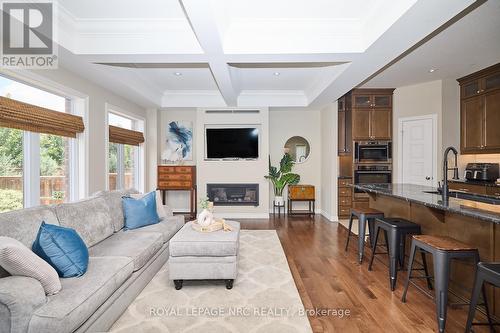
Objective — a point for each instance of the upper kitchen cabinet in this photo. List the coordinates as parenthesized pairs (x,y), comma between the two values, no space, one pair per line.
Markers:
(480,111)
(372,114)
(344,125)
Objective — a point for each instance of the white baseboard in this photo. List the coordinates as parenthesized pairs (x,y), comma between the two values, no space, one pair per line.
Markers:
(242,215)
(330,218)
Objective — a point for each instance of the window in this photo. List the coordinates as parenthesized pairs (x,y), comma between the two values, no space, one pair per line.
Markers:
(125,161)
(11,169)
(35,168)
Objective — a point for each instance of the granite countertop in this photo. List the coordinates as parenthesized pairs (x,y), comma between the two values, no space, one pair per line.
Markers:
(416,193)
(472,182)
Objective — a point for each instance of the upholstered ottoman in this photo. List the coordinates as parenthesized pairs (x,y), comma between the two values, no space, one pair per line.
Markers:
(198,255)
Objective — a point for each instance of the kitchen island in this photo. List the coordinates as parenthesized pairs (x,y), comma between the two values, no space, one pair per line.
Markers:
(475,223)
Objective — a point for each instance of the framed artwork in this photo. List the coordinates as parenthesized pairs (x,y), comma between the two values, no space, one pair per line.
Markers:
(178,141)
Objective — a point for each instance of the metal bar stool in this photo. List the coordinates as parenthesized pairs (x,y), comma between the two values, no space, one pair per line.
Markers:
(363,215)
(486,272)
(396,230)
(443,250)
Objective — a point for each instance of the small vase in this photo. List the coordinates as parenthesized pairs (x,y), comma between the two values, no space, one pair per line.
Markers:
(205,218)
(279,201)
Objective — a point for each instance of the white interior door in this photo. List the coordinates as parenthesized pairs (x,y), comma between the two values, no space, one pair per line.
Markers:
(417,159)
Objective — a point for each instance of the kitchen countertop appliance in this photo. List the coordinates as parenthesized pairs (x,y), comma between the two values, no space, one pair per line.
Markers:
(488,172)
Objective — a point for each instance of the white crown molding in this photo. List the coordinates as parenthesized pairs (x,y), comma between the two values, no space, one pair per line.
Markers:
(192,98)
(252,98)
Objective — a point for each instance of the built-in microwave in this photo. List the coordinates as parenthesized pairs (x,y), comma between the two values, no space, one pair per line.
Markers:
(373,152)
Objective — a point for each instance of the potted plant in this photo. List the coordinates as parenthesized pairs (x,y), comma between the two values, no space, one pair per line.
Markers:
(282,177)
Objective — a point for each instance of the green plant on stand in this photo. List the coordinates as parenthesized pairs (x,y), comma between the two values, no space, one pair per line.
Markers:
(282,177)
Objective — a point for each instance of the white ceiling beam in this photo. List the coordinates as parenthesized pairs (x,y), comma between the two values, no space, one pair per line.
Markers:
(408,31)
(199,13)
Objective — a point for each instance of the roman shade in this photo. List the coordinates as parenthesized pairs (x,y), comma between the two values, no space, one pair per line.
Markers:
(27,117)
(125,136)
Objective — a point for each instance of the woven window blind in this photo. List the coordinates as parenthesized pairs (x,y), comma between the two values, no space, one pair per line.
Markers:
(27,117)
(125,136)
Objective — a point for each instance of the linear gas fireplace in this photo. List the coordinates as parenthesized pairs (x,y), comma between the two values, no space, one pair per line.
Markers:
(233,194)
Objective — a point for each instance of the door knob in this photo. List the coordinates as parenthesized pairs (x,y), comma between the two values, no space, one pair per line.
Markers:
(428,178)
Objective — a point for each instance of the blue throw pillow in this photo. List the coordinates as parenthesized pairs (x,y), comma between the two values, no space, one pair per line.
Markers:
(140,212)
(63,249)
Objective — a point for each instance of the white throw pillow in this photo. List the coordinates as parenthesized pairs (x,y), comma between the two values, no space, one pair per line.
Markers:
(159,204)
(18,260)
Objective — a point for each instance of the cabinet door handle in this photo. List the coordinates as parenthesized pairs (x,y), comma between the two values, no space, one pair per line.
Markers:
(427,178)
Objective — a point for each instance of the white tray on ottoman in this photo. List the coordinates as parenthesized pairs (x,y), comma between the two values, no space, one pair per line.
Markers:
(198,255)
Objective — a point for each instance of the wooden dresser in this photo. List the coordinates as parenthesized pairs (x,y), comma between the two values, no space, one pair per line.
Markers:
(301,193)
(178,178)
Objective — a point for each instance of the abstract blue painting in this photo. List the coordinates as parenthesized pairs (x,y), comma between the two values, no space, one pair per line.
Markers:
(179,141)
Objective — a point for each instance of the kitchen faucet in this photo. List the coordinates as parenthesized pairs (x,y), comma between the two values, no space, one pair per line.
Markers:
(445,191)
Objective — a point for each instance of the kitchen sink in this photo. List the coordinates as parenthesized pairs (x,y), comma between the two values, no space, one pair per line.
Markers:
(469,196)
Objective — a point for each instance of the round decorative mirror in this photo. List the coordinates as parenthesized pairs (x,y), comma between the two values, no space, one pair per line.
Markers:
(298,148)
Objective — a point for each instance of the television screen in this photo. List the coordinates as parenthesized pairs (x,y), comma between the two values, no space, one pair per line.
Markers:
(232,142)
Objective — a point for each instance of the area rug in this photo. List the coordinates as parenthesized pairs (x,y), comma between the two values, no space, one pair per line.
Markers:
(264,297)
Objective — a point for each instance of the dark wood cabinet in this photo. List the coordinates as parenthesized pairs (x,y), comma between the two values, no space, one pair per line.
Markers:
(363,115)
(492,120)
(480,111)
(372,114)
(344,125)
(361,124)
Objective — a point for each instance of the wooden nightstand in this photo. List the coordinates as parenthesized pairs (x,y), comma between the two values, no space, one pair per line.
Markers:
(301,193)
(178,178)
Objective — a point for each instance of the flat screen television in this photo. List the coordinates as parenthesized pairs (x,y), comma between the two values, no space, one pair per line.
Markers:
(232,143)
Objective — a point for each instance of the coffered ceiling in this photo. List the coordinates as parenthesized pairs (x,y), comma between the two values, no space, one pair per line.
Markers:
(206,53)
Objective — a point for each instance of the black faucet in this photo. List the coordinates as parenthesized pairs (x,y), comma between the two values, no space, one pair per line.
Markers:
(445,191)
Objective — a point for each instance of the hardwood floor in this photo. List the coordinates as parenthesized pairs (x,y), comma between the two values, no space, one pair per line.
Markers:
(327,277)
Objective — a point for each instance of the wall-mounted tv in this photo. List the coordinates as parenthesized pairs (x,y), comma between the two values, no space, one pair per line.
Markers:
(232,143)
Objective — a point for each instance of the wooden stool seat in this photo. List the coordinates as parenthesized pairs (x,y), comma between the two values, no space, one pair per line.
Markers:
(443,243)
(443,250)
(366,211)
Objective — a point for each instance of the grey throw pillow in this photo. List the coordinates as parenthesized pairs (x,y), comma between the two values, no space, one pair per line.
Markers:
(18,260)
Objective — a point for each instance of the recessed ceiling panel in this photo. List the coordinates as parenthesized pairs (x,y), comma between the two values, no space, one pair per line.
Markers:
(314,26)
(125,27)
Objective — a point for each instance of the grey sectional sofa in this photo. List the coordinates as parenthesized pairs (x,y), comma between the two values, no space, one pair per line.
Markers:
(120,266)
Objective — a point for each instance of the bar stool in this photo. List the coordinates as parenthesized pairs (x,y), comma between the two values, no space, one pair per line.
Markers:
(363,215)
(443,250)
(486,272)
(395,230)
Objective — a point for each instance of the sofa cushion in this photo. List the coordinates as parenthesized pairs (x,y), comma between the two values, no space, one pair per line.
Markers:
(90,218)
(18,260)
(82,296)
(114,200)
(63,249)
(138,246)
(23,224)
(189,242)
(167,227)
(140,212)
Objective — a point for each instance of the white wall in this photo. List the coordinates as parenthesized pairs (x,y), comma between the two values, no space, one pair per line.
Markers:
(417,100)
(235,171)
(305,123)
(178,200)
(96,97)
(329,162)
